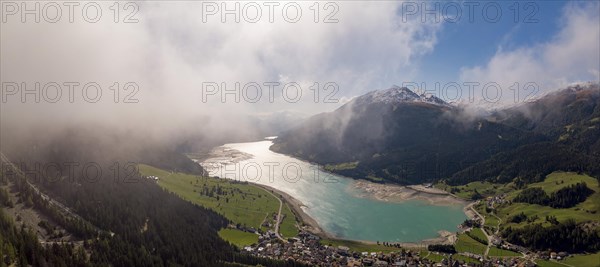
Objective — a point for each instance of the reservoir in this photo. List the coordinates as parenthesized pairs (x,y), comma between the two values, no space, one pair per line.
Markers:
(339,207)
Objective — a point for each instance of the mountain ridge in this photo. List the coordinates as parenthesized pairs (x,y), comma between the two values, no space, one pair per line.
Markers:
(397,94)
(393,135)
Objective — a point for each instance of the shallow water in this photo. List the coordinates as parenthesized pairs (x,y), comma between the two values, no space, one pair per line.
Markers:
(331,199)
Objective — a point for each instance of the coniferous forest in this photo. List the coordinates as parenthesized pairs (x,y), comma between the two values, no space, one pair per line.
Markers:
(126,220)
(564,198)
(567,236)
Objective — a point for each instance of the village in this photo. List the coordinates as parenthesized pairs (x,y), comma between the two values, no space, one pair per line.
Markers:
(307,248)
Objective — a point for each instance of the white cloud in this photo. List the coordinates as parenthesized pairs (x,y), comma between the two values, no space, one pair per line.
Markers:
(171,52)
(572,55)
(368,45)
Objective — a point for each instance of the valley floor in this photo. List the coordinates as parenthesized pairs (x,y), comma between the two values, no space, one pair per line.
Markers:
(272,211)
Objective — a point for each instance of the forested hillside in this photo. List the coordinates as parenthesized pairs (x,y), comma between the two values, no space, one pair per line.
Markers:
(132,221)
(407,140)
(22,246)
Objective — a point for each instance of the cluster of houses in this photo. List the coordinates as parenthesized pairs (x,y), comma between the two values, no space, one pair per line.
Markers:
(547,255)
(496,200)
(273,221)
(307,248)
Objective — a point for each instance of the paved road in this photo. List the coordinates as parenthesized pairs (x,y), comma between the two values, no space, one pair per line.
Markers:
(278,221)
(487,249)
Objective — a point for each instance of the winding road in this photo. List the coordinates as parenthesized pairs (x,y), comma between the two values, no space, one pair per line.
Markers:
(278,220)
(487,249)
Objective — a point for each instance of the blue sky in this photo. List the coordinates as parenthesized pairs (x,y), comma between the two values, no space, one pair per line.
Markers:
(468,43)
(547,44)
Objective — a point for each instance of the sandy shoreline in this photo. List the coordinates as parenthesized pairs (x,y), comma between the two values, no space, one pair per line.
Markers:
(469,210)
(398,193)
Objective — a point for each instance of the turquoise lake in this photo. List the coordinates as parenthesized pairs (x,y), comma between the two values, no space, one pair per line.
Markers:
(332,200)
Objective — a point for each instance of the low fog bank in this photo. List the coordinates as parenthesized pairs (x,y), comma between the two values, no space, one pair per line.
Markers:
(144,139)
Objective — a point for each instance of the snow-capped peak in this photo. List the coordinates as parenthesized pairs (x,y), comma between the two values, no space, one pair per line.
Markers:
(397,94)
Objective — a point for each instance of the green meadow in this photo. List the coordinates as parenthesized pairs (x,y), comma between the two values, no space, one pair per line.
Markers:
(241,203)
(467,244)
(589,210)
(589,260)
(483,188)
(545,263)
(238,238)
(476,232)
(288,227)
(358,246)
(498,252)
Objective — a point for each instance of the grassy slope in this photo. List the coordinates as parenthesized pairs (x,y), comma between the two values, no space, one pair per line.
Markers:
(582,212)
(465,259)
(544,263)
(288,228)
(479,234)
(590,260)
(558,180)
(494,251)
(467,244)
(497,252)
(358,246)
(435,257)
(247,205)
(238,238)
(484,188)
(553,182)
(491,222)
